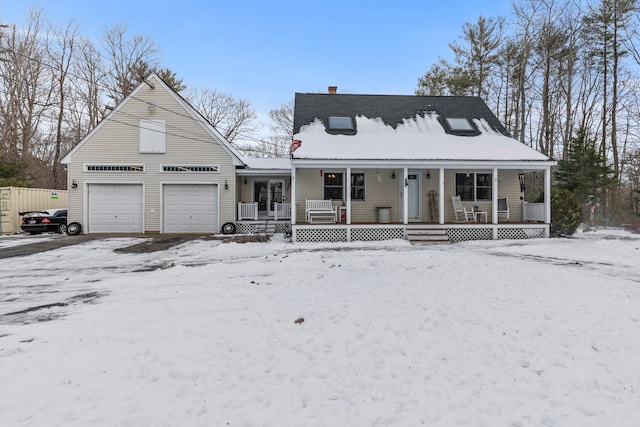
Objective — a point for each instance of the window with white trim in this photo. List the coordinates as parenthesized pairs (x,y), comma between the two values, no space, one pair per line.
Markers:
(474,187)
(333,186)
(152,136)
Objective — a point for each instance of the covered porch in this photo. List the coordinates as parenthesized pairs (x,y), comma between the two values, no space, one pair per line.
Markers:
(383,201)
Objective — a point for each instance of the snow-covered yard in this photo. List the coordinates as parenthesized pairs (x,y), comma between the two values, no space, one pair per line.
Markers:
(492,333)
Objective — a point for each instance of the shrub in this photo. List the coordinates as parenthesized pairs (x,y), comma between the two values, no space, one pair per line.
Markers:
(566,212)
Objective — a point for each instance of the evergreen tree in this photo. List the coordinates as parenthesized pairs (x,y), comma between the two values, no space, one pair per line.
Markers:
(585,171)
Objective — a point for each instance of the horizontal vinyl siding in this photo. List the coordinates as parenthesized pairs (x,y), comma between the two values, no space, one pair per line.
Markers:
(383,192)
(378,193)
(508,185)
(117,142)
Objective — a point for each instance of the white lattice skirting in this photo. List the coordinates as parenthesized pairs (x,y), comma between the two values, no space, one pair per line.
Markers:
(261,227)
(343,234)
(454,234)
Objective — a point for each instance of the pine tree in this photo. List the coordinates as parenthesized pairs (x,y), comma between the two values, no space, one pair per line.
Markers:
(585,171)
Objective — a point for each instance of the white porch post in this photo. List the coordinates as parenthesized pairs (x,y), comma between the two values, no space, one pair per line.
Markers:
(293,194)
(405,198)
(547,197)
(494,203)
(348,185)
(441,196)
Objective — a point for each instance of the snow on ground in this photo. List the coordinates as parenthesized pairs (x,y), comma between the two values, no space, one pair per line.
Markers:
(492,333)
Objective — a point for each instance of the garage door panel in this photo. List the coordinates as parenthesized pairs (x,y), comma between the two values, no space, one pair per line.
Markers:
(115,208)
(190,208)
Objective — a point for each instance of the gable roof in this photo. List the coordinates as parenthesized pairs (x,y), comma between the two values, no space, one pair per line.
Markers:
(191,111)
(403,127)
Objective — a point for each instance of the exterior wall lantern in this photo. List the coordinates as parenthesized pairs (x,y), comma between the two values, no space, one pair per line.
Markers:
(74,184)
(393,175)
(226,185)
(428,175)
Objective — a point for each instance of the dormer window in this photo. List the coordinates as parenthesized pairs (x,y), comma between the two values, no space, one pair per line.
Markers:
(340,123)
(459,125)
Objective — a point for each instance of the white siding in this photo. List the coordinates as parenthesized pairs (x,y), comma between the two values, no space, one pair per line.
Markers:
(118,142)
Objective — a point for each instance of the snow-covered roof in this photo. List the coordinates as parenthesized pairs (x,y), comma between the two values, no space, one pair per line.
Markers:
(267,163)
(403,127)
(419,138)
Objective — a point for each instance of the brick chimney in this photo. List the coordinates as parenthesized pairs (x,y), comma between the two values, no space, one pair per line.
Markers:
(333,90)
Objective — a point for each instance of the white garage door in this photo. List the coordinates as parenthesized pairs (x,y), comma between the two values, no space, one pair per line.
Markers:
(115,208)
(190,208)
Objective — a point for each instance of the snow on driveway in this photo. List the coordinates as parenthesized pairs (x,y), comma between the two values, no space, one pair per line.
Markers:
(493,333)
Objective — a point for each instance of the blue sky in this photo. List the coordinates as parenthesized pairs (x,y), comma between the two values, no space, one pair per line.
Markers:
(265,51)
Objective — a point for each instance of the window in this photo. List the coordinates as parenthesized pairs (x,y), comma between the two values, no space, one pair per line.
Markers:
(357,186)
(473,186)
(152,136)
(460,125)
(340,123)
(334,186)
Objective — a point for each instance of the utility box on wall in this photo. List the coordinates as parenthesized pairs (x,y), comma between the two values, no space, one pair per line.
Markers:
(19,199)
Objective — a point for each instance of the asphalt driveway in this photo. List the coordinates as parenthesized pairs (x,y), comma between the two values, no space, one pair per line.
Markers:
(154,242)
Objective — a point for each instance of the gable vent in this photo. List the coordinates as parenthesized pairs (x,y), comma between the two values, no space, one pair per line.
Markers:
(113,168)
(191,168)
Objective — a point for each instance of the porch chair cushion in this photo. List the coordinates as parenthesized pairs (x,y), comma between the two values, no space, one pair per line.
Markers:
(503,208)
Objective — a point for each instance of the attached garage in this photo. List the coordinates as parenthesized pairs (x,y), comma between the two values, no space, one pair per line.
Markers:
(115,208)
(190,208)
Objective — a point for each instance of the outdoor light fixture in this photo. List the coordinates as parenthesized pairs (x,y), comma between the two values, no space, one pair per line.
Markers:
(226,185)
(428,175)
(393,175)
(74,184)
(245,180)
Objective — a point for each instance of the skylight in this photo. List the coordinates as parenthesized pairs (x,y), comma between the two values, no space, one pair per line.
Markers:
(459,124)
(340,123)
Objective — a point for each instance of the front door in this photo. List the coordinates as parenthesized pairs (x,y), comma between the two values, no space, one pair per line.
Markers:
(413,193)
(267,193)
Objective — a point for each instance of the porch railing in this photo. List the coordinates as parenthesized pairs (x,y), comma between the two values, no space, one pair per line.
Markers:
(282,211)
(248,211)
(533,212)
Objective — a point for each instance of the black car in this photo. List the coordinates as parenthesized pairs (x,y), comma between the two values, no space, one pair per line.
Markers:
(46,221)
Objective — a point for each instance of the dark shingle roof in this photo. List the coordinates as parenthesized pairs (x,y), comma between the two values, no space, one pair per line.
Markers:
(392,109)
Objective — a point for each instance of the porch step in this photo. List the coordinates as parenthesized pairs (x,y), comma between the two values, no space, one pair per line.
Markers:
(426,234)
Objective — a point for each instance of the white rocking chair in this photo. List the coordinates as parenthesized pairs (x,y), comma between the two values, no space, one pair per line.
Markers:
(462,214)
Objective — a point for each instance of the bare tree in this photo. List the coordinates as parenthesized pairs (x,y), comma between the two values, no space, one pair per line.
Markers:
(88,89)
(26,89)
(233,118)
(125,54)
(61,53)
